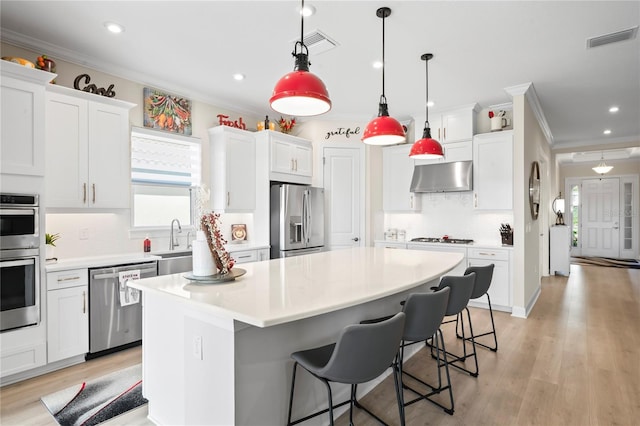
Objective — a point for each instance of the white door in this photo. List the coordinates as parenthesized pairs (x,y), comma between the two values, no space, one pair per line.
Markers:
(600,217)
(342,194)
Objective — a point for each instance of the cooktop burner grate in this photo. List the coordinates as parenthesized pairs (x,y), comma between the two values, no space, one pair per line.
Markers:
(441,240)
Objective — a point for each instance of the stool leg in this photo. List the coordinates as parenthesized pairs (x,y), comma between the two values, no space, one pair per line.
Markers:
(493,326)
(397,381)
(330,401)
(473,344)
(293,382)
(446,369)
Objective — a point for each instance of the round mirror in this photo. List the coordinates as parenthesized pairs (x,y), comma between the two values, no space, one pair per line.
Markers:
(534,190)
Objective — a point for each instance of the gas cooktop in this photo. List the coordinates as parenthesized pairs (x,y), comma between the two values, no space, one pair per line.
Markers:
(441,240)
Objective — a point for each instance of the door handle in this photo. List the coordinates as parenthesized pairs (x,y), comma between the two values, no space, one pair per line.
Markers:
(356,239)
(84,302)
(615,225)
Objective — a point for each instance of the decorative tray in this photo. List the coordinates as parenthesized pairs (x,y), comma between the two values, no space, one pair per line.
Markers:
(215,278)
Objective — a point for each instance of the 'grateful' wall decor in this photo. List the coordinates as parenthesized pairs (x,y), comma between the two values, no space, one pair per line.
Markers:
(167,112)
(343,131)
(92,88)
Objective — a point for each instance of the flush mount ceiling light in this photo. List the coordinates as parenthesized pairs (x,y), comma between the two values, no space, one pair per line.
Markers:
(300,93)
(602,168)
(427,147)
(114,27)
(614,109)
(238,76)
(607,132)
(383,130)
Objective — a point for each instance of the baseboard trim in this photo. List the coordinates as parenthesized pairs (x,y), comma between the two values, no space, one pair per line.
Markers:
(520,312)
(48,368)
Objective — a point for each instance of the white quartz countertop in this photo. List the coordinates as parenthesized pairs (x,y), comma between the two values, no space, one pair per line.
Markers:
(99,261)
(475,244)
(289,289)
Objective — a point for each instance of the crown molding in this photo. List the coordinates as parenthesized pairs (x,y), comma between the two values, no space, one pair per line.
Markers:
(530,94)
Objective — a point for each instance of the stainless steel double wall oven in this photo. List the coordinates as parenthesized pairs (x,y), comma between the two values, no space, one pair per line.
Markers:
(19,261)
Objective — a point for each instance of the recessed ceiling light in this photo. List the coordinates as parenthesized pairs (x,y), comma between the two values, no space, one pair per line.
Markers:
(114,27)
(607,132)
(430,104)
(377,64)
(238,77)
(307,10)
(614,109)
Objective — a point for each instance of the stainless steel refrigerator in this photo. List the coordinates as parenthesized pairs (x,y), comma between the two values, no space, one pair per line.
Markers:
(297,220)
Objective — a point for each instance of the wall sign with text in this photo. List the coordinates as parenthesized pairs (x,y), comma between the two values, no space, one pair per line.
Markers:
(343,131)
(224,120)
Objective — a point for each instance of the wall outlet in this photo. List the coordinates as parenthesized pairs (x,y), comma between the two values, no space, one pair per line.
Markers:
(197,347)
(84,233)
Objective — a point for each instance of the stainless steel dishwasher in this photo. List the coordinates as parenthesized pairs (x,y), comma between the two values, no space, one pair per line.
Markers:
(115,318)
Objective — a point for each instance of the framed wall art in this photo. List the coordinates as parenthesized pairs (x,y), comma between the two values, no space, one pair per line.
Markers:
(239,232)
(164,111)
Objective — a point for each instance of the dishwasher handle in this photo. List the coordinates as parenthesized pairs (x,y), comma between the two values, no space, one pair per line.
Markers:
(116,274)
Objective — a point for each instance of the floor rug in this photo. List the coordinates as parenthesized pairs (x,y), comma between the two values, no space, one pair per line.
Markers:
(606,261)
(96,401)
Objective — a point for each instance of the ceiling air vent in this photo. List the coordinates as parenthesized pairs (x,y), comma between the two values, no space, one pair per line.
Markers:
(623,35)
(318,42)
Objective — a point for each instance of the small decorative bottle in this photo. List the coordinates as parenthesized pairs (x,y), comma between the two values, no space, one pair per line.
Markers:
(266,123)
(147,244)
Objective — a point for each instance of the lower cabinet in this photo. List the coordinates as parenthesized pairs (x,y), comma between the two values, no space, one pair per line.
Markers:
(254,255)
(67,314)
(450,248)
(391,244)
(500,289)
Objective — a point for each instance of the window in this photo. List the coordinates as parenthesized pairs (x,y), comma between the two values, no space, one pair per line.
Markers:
(165,168)
(575,214)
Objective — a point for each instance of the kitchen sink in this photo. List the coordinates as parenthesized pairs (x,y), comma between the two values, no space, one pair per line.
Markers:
(174,262)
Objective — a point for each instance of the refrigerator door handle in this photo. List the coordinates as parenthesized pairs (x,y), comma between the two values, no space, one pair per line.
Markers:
(305,210)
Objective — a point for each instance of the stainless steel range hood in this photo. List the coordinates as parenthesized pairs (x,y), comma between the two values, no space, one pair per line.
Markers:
(443,177)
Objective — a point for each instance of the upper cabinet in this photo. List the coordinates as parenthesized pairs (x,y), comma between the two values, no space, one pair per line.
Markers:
(397,172)
(451,125)
(290,157)
(233,169)
(493,170)
(23,119)
(454,129)
(87,150)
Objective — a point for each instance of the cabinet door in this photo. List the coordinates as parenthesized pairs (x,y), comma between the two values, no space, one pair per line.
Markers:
(397,172)
(241,174)
(263,254)
(68,323)
(245,256)
(303,160)
(493,171)
(67,172)
(23,115)
(458,125)
(499,291)
(109,156)
(455,151)
(281,157)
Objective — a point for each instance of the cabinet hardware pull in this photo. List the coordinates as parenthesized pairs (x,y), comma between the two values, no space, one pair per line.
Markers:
(296,163)
(486,254)
(84,302)
(445,134)
(292,164)
(228,198)
(84,192)
(94,192)
(475,199)
(438,133)
(244,257)
(68,279)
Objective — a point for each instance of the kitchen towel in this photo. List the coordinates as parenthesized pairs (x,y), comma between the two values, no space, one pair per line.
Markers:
(128,295)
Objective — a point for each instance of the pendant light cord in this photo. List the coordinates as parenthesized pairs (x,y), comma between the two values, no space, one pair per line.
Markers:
(302,24)
(426,105)
(383,97)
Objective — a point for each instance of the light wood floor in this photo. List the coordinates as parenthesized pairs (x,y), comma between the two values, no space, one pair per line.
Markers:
(574,361)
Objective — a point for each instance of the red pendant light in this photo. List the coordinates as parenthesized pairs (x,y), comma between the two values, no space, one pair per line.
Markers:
(426,148)
(383,130)
(300,92)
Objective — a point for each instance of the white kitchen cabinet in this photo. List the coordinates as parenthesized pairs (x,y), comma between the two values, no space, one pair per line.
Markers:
(23,119)
(452,125)
(67,314)
(397,172)
(500,289)
(559,250)
(263,254)
(444,247)
(290,157)
(454,151)
(493,170)
(87,150)
(233,169)
(250,255)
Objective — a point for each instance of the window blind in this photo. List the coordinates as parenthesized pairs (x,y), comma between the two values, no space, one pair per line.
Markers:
(165,159)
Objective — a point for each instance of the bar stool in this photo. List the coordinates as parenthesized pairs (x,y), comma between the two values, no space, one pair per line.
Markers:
(484,275)
(425,312)
(461,289)
(362,353)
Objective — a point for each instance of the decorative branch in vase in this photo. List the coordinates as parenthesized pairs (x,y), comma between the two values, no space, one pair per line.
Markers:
(210,223)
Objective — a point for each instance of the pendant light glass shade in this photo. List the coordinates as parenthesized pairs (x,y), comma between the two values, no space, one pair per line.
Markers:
(383,130)
(300,92)
(602,168)
(426,148)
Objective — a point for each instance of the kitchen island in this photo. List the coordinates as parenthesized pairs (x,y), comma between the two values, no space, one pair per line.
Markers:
(219,353)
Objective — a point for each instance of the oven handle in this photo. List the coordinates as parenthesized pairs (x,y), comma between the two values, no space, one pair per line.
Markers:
(116,275)
(18,212)
(11,263)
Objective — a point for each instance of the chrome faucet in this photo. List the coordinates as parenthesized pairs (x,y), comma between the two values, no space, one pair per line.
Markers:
(173,243)
(189,246)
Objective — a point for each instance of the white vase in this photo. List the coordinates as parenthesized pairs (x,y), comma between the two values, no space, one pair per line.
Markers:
(50,251)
